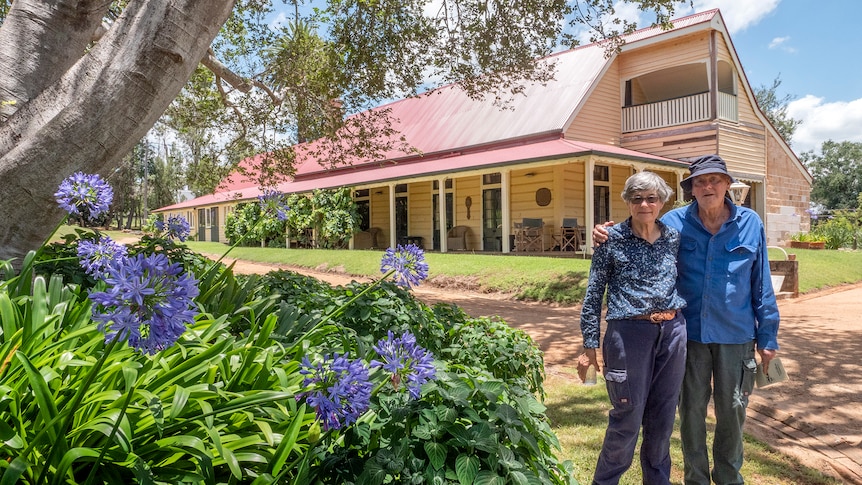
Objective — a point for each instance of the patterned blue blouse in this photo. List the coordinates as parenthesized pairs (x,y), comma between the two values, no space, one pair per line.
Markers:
(640,278)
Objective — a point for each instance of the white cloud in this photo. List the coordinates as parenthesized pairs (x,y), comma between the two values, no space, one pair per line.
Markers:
(781,43)
(821,121)
(279,21)
(738,14)
(778,41)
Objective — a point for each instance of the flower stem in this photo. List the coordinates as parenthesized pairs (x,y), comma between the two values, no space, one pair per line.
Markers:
(122,414)
(334,313)
(76,401)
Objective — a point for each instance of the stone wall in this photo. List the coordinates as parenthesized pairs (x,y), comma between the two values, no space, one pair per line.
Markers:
(787,195)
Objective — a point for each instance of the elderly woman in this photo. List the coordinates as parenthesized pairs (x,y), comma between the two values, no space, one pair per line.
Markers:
(645,342)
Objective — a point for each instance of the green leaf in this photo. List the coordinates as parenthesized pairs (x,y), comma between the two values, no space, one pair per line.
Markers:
(10,317)
(69,459)
(181,397)
(466,467)
(436,453)
(487,477)
(38,307)
(47,406)
(287,441)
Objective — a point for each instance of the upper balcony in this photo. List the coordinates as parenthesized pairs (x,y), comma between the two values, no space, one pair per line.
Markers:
(678,111)
(680,95)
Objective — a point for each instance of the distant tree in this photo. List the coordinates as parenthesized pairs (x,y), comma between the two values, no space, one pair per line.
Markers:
(775,109)
(837,173)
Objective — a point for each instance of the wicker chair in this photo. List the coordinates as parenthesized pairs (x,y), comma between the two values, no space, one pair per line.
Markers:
(456,238)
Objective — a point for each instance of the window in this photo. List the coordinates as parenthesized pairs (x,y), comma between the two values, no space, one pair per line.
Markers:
(492,178)
(601,193)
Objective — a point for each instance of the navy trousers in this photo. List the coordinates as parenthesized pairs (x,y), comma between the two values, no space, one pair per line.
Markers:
(644,368)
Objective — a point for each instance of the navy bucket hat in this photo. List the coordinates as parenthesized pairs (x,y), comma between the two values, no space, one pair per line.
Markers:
(704,165)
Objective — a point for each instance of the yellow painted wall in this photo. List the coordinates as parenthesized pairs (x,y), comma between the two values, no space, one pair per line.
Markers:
(419,211)
(379,217)
(469,187)
(599,120)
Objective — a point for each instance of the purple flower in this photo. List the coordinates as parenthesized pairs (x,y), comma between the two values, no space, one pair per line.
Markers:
(408,264)
(96,256)
(406,361)
(340,389)
(177,227)
(149,301)
(85,194)
(273,202)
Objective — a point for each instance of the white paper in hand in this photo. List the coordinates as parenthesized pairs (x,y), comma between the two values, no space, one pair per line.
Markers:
(775,374)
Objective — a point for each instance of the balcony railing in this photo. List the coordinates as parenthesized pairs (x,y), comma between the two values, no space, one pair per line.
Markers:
(678,111)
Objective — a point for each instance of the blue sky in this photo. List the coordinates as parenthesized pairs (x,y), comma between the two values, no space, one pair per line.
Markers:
(813,46)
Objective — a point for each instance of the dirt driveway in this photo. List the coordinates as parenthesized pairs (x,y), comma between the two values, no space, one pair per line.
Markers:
(815,416)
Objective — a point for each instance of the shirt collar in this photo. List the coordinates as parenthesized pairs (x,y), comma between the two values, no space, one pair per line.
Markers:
(734,210)
(626,228)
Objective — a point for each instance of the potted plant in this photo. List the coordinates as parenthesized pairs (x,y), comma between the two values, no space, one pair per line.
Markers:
(799,240)
(816,241)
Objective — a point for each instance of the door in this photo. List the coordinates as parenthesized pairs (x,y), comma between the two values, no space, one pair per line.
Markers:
(450,216)
(214,224)
(492,219)
(202,224)
(401,220)
(601,204)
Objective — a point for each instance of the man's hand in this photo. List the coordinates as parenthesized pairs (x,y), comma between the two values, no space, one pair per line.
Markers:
(600,232)
(766,355)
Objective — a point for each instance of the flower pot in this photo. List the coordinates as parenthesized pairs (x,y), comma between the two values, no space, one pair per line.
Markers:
(799,244)
(816,244)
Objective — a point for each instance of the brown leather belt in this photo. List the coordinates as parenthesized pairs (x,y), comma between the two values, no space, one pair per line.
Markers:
(657,317)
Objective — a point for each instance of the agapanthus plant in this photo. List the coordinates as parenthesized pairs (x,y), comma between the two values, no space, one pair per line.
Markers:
(407,263)
(407,362)
(339,389)
(96,256)
(176,227)
(149,302)
(274,202)
(86,195)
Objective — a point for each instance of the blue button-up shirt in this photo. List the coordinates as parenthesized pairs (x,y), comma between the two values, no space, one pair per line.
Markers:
(725,278)
(640,278)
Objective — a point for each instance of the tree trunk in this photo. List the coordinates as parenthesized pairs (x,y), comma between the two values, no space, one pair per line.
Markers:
(96,111)
(39,41)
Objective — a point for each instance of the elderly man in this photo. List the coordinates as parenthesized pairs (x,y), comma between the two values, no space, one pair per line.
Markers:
(723,274)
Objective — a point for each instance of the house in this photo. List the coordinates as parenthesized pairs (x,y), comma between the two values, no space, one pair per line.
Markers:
(561,151)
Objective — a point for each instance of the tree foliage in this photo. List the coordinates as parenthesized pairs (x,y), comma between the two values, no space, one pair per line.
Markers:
(837,173)
(774,107)
(100,74)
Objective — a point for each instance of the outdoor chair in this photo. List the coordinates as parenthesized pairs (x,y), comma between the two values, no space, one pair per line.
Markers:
(456,238)
(570,235)
(531,236)
(368,239)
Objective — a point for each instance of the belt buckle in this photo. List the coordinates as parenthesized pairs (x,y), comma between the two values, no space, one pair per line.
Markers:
(658,317)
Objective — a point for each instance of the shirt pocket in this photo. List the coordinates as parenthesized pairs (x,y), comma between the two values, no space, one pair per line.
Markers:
(740,259)
(618,388)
